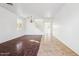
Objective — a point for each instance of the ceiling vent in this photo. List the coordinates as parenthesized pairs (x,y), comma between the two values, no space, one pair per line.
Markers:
(9,6)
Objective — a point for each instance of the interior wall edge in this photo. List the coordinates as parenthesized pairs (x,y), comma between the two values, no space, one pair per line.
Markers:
(65,43)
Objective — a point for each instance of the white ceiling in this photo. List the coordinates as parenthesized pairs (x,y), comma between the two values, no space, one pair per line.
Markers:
(38,10)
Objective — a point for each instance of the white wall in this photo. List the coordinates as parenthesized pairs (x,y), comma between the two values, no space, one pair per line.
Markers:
(31,29)
(66,26)
(8,25)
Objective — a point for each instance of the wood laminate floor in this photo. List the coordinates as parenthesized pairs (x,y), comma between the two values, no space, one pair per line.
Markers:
(53,47)
(26,45)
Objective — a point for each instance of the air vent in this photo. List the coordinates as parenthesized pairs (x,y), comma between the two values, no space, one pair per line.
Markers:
(10,4)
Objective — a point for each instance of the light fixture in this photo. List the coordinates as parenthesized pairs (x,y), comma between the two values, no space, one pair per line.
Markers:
(31,19)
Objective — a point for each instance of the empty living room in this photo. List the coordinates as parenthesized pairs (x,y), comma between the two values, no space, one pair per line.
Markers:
(39,29)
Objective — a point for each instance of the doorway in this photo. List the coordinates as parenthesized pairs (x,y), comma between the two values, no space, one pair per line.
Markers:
(48,30)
